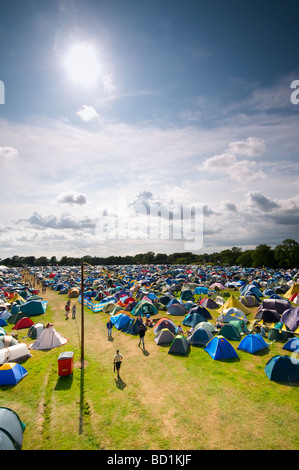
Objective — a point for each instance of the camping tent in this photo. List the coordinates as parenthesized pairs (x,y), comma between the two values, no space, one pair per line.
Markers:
(14,353)
(219,348)
(7,340)
(132,327)
(11,430)
(232,302)
(32,308)
(290,318)
(292,345)
(202,310)
(200,337)
(176,309)
(294,289)
(35,330)
(164,336)
(165,323)
(209,303)
(252,343)
(279,305)
(24,322)
(207,326)
(232,314)
(48,339)
(283,369)
(143,308)
(179,345)
(192,319)
(268,316)
(228,331)
(120,320)
(12,373)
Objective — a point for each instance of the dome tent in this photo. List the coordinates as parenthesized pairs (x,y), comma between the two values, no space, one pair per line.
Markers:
(179,345)
(292,345)
(219,348)
(253,343)
(200,337)
(283,369)
(11,430)
(164,336)
(12,373)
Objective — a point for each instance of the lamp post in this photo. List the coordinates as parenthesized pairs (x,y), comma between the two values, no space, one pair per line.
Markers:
(82,315)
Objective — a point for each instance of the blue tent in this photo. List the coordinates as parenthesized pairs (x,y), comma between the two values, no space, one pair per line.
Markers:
(201,290)
(219,348)
(283,369)
(120,320)
(11,373)
(292,345)
(252,343)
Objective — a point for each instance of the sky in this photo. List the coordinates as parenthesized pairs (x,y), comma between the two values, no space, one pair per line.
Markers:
(132,126)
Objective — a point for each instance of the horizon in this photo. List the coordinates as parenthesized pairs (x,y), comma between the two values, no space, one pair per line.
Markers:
(111,108)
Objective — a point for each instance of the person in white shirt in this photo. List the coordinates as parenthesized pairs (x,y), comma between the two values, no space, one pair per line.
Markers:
(117,362)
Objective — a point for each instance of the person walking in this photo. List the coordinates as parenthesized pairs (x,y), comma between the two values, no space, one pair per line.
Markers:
(74,311)
(67,310)
(141,335)
(118,358)
(109,326)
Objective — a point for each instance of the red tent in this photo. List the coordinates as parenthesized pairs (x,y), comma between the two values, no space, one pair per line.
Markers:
(24,322)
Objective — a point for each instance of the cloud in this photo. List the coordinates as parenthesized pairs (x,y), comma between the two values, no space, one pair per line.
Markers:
(72,198)
(87,113)
(8,152)
(251,147)
(256,198)
(65,221)
(227,163)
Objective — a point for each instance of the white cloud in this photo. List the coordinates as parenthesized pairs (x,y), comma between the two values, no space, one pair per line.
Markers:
(8,152)
(87,113)
(72,198)
(251,147)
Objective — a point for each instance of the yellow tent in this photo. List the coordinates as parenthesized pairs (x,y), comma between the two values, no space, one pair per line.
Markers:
(294,289)
(233,302)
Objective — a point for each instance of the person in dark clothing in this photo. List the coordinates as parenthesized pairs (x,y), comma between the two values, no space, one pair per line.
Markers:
(141,335)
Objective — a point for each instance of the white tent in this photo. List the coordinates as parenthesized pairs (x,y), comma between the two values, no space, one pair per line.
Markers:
(14,353)
(48,339)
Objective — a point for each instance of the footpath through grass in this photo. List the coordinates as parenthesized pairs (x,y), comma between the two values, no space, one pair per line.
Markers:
(161,402)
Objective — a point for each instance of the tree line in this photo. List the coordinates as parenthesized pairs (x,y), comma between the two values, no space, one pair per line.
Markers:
(284,255)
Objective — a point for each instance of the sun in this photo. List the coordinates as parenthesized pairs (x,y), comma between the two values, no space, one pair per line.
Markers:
(82,64)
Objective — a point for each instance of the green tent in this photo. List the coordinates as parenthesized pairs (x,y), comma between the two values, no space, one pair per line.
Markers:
(229,332)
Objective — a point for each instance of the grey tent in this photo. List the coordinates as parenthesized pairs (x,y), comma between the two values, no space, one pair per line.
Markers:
(179,345)
(11,430)
(35,330)
(200,337)
(164,336)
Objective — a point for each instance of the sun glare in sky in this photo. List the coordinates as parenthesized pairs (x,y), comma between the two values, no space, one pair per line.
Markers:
(82,64)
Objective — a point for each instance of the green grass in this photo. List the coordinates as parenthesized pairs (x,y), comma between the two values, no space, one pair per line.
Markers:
(162,402)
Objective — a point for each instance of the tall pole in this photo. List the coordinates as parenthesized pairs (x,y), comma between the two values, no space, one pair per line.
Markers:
(82,315)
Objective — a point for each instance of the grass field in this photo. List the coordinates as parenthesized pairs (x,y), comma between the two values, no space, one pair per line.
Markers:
(161,401)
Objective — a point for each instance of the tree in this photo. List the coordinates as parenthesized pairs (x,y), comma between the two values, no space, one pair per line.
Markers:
(287,254)
(263,255)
